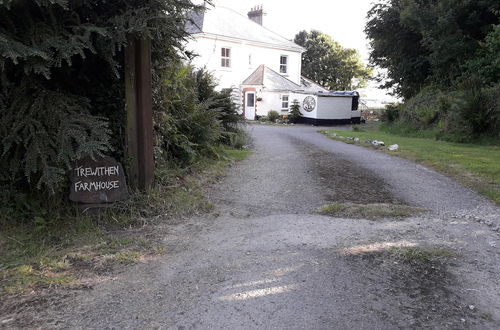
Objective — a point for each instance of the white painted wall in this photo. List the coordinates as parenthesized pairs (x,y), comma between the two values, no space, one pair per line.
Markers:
(334,107)
(300,97)
(209,51)
(270,101)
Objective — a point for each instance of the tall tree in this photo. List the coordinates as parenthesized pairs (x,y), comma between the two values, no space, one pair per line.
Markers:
(398,49)
(328,63)
(435,42)
(451,30)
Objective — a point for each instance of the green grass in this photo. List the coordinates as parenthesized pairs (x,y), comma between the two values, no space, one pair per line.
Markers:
(411,255)
(22,278)
(476,166)
(368,211)
(124,258)
(419,255)
(236,154)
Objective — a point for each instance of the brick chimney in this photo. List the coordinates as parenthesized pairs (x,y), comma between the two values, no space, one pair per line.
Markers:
(256,14)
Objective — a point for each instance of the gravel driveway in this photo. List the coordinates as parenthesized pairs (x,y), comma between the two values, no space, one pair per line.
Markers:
(266,259)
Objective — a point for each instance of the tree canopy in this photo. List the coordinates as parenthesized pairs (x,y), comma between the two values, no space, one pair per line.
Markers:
(328,63)
(435,42)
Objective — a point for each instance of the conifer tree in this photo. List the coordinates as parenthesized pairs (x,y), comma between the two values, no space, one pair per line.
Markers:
(61,79)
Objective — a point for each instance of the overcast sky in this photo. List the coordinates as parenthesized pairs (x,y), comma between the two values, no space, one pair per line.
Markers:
(343,20)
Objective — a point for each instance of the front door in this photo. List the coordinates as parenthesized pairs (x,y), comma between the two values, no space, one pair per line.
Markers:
(250,105)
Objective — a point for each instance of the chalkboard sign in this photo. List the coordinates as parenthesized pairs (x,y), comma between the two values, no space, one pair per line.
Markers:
(97,181)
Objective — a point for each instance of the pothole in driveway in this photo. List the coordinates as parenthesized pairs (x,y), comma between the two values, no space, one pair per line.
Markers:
(343,181)
(418,290)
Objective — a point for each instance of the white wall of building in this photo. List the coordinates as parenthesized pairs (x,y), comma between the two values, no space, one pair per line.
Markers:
(245,59)
(271,101)
(334,107)
(300,97)
(327,107)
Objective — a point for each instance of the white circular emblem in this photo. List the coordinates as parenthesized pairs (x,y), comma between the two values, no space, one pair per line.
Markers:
(309,104)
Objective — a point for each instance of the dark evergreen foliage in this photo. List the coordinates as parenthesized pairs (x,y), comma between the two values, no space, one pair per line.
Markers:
(61,80)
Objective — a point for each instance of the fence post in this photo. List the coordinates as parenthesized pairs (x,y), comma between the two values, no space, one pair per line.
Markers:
(138,95)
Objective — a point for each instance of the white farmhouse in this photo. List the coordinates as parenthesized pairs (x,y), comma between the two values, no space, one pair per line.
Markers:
(262,67)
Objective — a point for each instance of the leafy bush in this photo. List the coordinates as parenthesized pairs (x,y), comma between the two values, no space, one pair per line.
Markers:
(273,116)
(424,109)
(193,118)
(468,113)
(391,113)
(493,105)
(238,139)
(295,114)
(185,126)
(474,112)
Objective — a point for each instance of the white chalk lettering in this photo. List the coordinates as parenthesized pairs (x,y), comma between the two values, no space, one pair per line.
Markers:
(77,185)
(97,171)
(96,185)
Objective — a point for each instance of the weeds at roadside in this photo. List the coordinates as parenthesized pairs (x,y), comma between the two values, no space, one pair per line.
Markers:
(26,277)
(369,211)
(419,255)
(55,254)
(62,268)
(123,258)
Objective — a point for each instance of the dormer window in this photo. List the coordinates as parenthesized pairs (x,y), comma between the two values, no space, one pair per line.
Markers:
(225,59)
(283,64)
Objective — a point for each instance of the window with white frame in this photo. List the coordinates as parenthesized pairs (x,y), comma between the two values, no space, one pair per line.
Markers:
(283,64)
(225,57)
(284,102)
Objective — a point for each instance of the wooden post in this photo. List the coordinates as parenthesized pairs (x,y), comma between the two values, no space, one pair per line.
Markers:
(131,107)
(144,113)
(138,92)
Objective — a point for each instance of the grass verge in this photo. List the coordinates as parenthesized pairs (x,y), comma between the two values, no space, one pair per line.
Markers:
(476,166)
(368,211)
(419,255)
(56,250)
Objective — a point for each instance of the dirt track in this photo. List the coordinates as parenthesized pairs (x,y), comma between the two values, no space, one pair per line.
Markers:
(266,259)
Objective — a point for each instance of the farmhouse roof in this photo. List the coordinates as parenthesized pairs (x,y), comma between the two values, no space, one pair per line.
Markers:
(225,23)
(271,80)
(311,87)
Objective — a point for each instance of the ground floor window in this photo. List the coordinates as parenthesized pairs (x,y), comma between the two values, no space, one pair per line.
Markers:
(284,102)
